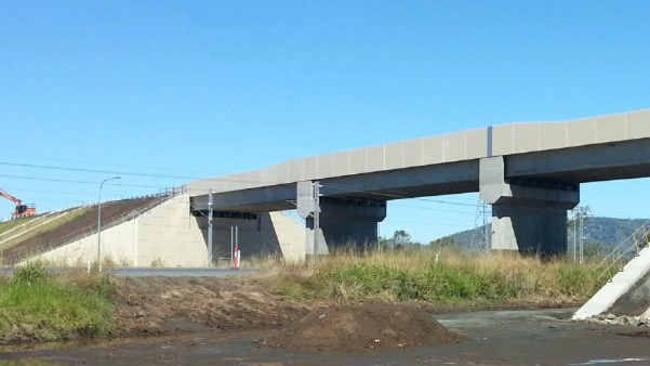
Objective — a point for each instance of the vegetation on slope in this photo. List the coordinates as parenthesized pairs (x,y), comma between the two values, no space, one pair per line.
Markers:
(29,231)
(445,279)
(37,306)
(10,224)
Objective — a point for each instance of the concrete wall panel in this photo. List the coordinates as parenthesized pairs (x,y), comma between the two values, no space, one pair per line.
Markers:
(611,128)
(374,159)
(311,168)
(476,144)
(554,136)
(394,156)
(432,150)
(342,164)
(326,165)
(639,124)
(356,161)
(166,234)
(582,132)
(502,140)
(290,235)
(527,137)
(455,148)
(296,171)
(170,235)
(412,153)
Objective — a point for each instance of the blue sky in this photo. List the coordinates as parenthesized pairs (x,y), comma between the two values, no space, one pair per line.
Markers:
(208,88)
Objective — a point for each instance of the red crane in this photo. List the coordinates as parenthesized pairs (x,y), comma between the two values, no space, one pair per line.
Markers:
(21,209)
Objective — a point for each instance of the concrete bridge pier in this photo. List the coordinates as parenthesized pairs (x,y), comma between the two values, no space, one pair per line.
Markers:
(527,215)
(345,223)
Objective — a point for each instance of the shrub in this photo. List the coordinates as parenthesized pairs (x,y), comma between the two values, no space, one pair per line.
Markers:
(30,274)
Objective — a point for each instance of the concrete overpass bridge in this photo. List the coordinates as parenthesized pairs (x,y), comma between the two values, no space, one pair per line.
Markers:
(529,172)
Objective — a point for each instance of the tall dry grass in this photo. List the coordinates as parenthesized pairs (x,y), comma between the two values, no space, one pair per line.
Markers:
(445,277)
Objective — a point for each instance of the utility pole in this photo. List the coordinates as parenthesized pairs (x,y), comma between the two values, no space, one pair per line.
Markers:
(316,238)
(210,219)
(582,238)
(575,235)
(99,221)
(486,230)
(234,242)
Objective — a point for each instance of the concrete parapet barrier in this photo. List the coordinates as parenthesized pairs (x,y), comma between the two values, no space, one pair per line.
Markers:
(624,282)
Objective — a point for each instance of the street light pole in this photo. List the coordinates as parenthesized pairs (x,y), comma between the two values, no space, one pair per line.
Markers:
(99,221)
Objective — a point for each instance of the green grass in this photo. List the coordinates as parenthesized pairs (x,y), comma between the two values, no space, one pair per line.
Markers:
(36,306)
(9,224)
(451,279)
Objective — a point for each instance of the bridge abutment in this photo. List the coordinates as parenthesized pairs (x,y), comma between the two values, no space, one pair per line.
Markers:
(529,216)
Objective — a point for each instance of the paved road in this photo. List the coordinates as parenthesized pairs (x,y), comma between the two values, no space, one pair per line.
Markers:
(180,272)
(159,272)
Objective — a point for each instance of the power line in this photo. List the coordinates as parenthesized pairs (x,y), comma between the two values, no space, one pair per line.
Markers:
(61,180)
(97,171)
(130,173)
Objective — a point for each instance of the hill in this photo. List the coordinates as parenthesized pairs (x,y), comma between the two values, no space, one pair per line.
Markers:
(603,232)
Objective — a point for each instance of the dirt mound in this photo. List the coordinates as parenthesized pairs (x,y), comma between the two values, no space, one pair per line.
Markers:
(363,327)
(155,306)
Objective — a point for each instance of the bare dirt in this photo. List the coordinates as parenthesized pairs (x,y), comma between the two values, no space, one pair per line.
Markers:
(493,338)
(367,326)
(160,306)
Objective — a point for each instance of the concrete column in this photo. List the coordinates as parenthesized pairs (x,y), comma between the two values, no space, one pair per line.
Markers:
(346,223)
(528,215)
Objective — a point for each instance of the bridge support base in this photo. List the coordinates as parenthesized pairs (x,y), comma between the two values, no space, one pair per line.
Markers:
(528,216)
(345,223)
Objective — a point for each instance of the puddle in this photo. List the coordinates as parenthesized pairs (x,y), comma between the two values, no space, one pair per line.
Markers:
(609,361)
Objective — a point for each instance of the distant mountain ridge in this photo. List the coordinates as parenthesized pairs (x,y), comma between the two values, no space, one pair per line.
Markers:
(604,231)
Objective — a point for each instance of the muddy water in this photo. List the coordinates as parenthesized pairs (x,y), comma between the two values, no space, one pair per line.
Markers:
(542,337)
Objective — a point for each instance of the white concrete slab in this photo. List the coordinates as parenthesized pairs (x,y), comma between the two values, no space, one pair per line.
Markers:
(633,272)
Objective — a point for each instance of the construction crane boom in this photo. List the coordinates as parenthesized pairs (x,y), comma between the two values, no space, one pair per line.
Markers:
(21,210)
(11,198)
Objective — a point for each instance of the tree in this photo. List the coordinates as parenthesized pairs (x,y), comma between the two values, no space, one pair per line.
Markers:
(401,238)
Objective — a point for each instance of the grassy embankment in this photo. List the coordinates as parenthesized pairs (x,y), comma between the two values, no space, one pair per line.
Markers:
(37,306)
(446,279)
